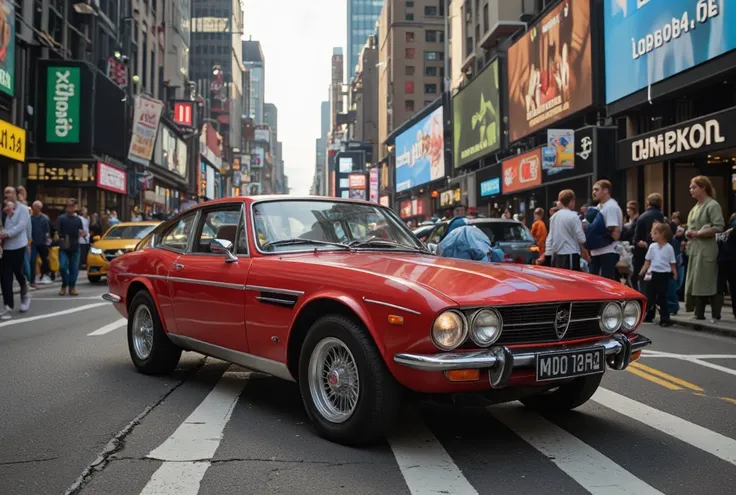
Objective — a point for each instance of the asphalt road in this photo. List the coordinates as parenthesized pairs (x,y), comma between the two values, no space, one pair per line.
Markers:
(76,417)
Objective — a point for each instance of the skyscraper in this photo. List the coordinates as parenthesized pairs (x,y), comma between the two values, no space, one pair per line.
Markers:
(362,18)
(255,63)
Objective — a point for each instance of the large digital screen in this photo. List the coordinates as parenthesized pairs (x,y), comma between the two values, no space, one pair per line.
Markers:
(420,154)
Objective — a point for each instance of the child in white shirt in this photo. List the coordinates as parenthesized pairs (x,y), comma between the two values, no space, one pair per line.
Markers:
(659,266)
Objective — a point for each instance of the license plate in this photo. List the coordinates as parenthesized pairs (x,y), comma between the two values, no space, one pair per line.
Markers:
(558,365)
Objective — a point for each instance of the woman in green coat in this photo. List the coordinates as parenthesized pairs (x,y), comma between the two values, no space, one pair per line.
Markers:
(703,223)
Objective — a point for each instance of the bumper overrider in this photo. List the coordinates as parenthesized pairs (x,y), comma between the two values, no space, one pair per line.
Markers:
(501,361)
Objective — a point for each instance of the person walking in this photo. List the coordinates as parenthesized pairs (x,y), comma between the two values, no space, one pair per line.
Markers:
(84,238)
(642,237)
(565,241)
(659,266)
(539,230)
(69,228)
(703,223)
(603,259)
(41,235)
(15,244)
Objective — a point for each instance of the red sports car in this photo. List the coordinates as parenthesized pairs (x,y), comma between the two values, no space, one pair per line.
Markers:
(341,297)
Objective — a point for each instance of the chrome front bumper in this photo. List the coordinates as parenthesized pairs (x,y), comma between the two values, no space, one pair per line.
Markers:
(111,298)
(501,360)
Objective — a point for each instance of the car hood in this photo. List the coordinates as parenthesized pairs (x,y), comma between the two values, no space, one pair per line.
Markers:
(122,244)
(481,283)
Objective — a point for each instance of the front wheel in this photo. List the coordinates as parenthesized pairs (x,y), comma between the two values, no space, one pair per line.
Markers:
(150,349)
(347,390)
(567,396)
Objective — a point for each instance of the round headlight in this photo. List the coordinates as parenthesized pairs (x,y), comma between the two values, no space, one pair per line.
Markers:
(632,313)
(486,327)
(449,330)
(611,318)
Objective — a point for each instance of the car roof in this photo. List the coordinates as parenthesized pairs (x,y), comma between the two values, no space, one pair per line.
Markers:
(493,220)
(133,224)
(285,197)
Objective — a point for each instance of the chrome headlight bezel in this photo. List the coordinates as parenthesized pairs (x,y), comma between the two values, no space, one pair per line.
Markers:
(617,307)
(472,330)
(463,334)
(95,250)
(630,304)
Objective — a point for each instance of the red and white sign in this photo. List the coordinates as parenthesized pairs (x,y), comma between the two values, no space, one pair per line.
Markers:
(184,114)
(111,178)
(356,181)
(145,128)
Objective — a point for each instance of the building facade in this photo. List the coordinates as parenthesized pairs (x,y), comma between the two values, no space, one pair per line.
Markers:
(362,18)
(364,97)
(255,63)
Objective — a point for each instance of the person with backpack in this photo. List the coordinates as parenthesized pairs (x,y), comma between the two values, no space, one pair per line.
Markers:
(604,231)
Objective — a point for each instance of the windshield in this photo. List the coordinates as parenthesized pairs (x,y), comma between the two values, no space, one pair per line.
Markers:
(128,232)
(296,225)
(505,231)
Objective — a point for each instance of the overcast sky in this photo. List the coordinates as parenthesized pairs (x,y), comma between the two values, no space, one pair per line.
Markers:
(297,37)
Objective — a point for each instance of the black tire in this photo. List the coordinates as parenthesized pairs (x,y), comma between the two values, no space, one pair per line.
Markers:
(94,279)
(379,395)
(567,396)
(164,356)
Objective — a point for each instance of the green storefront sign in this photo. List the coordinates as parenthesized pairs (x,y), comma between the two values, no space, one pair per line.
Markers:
(62,104)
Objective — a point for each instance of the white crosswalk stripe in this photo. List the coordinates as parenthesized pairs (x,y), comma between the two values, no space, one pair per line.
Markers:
(109,327)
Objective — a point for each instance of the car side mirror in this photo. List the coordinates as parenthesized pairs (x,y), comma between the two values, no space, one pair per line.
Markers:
(96,238)
(223,246)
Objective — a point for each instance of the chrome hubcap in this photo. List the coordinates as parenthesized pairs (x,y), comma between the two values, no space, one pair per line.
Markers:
(333,380)
(142,332)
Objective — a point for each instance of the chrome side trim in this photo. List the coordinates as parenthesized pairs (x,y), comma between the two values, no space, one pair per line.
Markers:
(250,361)
(273,290)
(155,277)
(110,297)
(389,305)
(274,300)
(208,283)
(522,358)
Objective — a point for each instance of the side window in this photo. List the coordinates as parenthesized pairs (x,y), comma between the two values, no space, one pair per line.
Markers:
(217,224)
(243,237)
(177,236)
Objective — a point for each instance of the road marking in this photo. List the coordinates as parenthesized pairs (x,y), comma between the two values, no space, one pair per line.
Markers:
(109,328)
(653,379)
(662,374)
(592,470)
(728,399)
(61,298)
(425,464)
(712,366)
(690,433)
(188,451)
(696,359)
(53,315)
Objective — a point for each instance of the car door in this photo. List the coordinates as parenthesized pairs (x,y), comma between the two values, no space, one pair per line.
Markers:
(209,287)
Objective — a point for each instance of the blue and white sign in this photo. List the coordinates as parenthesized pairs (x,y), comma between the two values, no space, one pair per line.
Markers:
(420,156)
(490,187)
(647,41)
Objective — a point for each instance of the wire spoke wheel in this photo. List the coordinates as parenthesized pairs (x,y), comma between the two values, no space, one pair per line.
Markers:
(334,381)
(142,332)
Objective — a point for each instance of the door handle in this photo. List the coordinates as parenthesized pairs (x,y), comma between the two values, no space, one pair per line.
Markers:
(178,266)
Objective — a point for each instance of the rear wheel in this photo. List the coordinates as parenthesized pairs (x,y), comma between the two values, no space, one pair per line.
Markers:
(567,396)
(150,349)
(347,390)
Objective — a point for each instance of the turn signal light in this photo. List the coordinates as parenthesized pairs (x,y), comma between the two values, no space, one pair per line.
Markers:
(635,356)
(395,320)
(463,375)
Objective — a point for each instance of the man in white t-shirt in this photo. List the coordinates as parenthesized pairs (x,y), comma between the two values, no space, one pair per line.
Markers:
(603,260)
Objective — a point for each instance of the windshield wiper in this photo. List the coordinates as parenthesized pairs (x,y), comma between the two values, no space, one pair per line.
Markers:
(293,242)
(382,243)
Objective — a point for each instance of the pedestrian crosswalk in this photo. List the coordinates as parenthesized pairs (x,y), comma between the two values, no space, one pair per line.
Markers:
(612,445)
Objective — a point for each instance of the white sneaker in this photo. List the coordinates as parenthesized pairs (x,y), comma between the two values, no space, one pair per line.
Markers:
(25,303)
(45,280)
(5,314)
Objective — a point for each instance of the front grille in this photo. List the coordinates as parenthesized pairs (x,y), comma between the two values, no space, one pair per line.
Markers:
(111,254)
(535,323)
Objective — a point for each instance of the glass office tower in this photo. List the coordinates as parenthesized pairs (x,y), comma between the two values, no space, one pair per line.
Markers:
(362,18)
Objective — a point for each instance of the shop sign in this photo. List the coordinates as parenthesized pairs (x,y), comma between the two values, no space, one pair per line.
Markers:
(184,113)
(262,133)
(79,173)
(7,61)
(62,104)
(356,181)
(652,41)
(145,129)
(476,120)
(420,152)
(549,69)
(490,187)
(712,132)
(111,178)
(373,185)
(405,209)
(12,141)
(451,197)
(522,172)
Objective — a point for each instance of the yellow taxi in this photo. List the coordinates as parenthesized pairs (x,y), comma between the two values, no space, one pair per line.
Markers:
(118,240)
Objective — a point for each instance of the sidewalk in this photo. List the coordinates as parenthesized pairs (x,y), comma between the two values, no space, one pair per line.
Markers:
(725,326)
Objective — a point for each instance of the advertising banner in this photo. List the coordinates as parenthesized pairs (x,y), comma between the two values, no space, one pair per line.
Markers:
(476,126)
(549,69)
(7,47)
(111,178)
(262,134)
(62,104)
(253,189)
(419,152)
(257,158)
(649,41)
(522,172)
(373,185)
(12,141)
(356,181)
(385,201)
(490,187)
(145,127)
(559,154)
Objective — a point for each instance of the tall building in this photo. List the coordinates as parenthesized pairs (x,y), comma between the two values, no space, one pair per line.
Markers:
(411,55)
(362,18)
(318,183)
(176,54)
(255,63)
(364,97)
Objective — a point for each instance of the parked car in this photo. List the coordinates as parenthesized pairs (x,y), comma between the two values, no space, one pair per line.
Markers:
(340,296)
(117,240)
